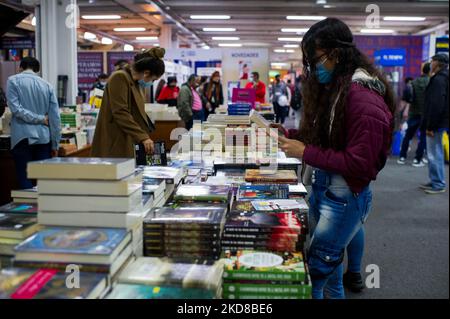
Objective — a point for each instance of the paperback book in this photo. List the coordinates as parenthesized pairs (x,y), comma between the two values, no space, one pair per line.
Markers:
(18,208)
(17,226)
(202,193)
(262,192)
(265,177)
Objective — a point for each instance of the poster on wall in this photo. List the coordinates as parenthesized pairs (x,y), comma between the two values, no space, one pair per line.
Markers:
(245,69)
(113,57)
(90,66)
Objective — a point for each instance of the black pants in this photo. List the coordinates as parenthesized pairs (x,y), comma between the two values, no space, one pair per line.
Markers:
(280,112)
(414,125)
(24,153)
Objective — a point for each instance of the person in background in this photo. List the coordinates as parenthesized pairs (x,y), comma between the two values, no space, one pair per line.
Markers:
(258,86)
(120,64)
(213,93)
(346,135)
(415,117)
(245,71)
(159,88)
(435,123)
(3,103)
(296,102)
(189,102)
(280,100)
(122,122)
(101,82)
(169,93)
(35,122)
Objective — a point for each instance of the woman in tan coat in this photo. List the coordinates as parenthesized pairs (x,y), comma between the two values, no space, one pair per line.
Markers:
(122,122)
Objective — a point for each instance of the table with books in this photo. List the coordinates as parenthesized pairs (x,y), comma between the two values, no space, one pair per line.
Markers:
(193,229)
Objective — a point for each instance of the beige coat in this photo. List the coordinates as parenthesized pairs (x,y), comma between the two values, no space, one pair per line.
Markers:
(122,121)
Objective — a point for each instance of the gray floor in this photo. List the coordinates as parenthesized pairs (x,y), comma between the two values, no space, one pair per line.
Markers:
(407,235)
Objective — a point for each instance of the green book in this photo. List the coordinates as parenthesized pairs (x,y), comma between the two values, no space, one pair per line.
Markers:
(259,265)
(268,290)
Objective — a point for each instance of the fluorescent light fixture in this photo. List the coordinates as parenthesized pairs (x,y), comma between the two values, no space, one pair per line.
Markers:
(33,21)
(310,18)
(133,29)
(128,47)
(291,46)
(376,31)
(294,30)
(147,38)
(231,45)
(290,51)
(328,6)
(219,29)
(107,40)
(412,19)
(226,38)
(290,39)
(89,36)
(210,17)
(321,2)
(279,51)
(102,17)
(278,63)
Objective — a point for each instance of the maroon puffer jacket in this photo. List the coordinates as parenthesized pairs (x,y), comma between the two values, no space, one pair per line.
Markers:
(368,138)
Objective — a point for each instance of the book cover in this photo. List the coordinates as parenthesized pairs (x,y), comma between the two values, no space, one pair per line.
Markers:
(181,234)
(298,189)
(129,291)
(171,175)
(255,265)
(17,226)
(207,193)
(266,221)
(262,192)
(280,205)
(89,241)
(280,176)
(19,208)
(22,283)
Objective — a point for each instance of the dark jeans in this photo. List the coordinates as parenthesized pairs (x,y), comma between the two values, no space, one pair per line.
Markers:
(198,115)
(413,126)
(280,112)
(24,153)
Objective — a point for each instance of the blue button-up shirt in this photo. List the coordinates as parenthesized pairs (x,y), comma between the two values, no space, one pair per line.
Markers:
(30,99)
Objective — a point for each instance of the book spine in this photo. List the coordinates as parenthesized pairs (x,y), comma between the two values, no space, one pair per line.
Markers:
(260,296)
(269,275)
(285,290)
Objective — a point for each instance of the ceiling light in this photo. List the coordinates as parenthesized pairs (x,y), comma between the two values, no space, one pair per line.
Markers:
(328,6)
(290,51)
(377,31)
(412,19)
(291,46)
(128,47)
(320,2)
(147,38)
(279,51)
(313,18)
(89,36)
(290,39)
(219,29)
(210,17)
(231,45)
(278,64)
(33,21)
(136,29)
(295,30)
(102,17)
(226,38)
(107,40)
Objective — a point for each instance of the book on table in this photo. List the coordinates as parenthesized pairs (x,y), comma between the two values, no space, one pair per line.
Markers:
(267,177)
(203,192)
(20,208)
(17,226)
(262,192)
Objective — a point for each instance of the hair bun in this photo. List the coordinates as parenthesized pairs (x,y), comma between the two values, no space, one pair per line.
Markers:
(155,53)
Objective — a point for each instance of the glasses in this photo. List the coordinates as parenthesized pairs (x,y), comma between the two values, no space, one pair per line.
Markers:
(316,60)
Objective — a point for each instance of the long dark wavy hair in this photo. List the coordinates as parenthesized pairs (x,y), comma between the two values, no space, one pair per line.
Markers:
(335,38)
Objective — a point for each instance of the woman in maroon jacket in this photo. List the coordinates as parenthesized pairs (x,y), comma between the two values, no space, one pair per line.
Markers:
(345,136)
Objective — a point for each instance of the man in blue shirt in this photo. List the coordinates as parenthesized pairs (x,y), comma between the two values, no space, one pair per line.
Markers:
(35,122)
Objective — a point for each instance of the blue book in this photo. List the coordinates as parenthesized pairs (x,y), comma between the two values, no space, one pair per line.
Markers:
(88,245)
(262,192)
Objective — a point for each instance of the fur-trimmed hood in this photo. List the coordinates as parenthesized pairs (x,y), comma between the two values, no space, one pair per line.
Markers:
(368,81)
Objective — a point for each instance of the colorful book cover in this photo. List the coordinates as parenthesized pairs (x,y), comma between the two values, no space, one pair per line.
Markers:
(279,205)
(89,241)
(181,235)
(17,223)
(255,265)
(19,208)
(280,176)
(128,291)
(270,222)
(22,283)
(262,192)
(208,193)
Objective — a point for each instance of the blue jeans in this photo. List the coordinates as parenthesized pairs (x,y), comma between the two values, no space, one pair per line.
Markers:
(413,125)
(436,160)
(355,251)
(198,115)
(24,153)
(336,216)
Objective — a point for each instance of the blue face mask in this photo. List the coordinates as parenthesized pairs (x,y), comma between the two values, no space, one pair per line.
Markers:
(324,76)
(144,84)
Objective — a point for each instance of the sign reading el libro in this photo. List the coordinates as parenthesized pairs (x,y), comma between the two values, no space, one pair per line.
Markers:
(390,57)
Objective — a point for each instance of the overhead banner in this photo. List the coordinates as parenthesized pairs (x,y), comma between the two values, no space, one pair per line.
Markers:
(390,57)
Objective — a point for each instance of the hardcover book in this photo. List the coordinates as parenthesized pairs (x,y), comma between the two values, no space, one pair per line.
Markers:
(81,168)
(264,177)
(21,283)
(255,265)
(262,192)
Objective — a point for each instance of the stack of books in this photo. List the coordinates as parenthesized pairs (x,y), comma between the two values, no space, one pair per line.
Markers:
(155,189)
(27,196)
(15,227)
(229,119)
(27,283)
(260,176)
(171,175)
(265,275)
(203,193)
(161,278)
(239,108)
(90,192)
(185,232)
